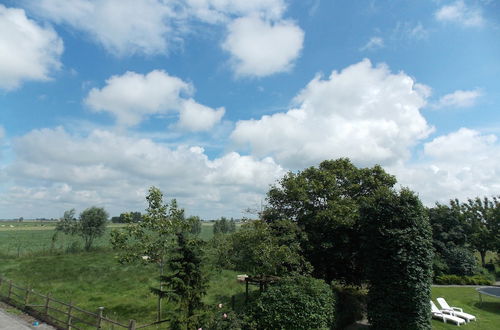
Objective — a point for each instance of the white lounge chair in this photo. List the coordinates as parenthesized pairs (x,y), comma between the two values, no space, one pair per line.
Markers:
(437,314)
(455,310)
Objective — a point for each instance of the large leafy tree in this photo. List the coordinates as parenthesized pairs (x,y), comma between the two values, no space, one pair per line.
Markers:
(324,201)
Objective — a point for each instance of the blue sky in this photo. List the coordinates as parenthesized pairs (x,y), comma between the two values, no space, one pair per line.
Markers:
(214,100)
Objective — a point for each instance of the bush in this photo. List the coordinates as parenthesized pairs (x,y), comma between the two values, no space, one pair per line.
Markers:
(462,280)
(460,261)
(300,302)
(351,305)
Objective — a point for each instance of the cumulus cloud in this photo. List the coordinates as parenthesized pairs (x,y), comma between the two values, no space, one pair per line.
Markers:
(363,112)
(197,117)
(461,164)
(260,47)
(57,170)
(28,51)
(459,12)
(373,43)
(121,26)
(132,97)
(458,99)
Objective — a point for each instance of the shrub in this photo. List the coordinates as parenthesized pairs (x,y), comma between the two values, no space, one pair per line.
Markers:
(460,261)
(462,280)
(300,302)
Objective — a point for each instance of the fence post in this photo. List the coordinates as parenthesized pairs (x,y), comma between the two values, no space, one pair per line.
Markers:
(26,299)
(70,318)
(131,325)
(10,290)
(47,302)
(99,318)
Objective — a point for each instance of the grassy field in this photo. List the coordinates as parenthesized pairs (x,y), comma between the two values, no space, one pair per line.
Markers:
(29,238)
(467,298)
(95,278)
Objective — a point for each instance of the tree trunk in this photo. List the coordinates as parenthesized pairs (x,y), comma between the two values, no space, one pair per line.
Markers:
(483,257)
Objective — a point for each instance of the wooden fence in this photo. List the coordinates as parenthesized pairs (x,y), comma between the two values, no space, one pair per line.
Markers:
(58,313)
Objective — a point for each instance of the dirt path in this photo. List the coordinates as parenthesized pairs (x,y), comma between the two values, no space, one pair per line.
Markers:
(18,321)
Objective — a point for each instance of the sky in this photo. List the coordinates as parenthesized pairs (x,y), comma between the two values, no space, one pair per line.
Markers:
(213,101)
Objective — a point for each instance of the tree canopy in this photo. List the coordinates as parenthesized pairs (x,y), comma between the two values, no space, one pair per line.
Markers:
(324,201)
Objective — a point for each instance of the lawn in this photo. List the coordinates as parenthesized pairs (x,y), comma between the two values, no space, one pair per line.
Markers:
(487,313)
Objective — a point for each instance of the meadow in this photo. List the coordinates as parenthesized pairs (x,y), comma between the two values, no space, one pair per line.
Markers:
(96,278)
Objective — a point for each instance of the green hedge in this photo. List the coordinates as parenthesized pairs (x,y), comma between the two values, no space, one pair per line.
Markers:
(398,245)
(297,303)
(462,280)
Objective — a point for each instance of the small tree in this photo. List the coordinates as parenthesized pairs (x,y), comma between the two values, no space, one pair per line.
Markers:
(91,224)
(186,282)
(398,247)
(159,238)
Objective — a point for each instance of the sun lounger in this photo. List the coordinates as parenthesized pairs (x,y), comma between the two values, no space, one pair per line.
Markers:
(437,314)
(455,310)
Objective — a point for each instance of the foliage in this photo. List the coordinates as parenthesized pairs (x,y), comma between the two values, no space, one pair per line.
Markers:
(483,217)
(460,261)
(255,249)
(194,223)
(127,217)
(324,202)
(294,303)
(221,318)
(186,282)
(474,224)
(462,280)
(91,224)
(398,245)
(224,226)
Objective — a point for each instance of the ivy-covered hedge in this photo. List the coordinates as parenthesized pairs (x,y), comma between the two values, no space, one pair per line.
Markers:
(398,245)
(298,302)
(462,280)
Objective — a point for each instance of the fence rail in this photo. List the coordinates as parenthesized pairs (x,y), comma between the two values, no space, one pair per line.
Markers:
(65,316)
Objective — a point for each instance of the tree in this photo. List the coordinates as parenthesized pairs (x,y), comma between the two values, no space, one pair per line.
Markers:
(257,249)
(224,226)
(186,282)
(155,239)
(483,218)
(397,245)
(194,225)
(324,202)
(90,225)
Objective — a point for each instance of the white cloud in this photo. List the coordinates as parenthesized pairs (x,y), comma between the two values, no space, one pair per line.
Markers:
(132,97)
(364,112)
(197,117)
(54,170)
(260,48)
(121,26)
(458,99)
(373,43)
(28,51)
(219,10)
(461,164)
(459,12)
